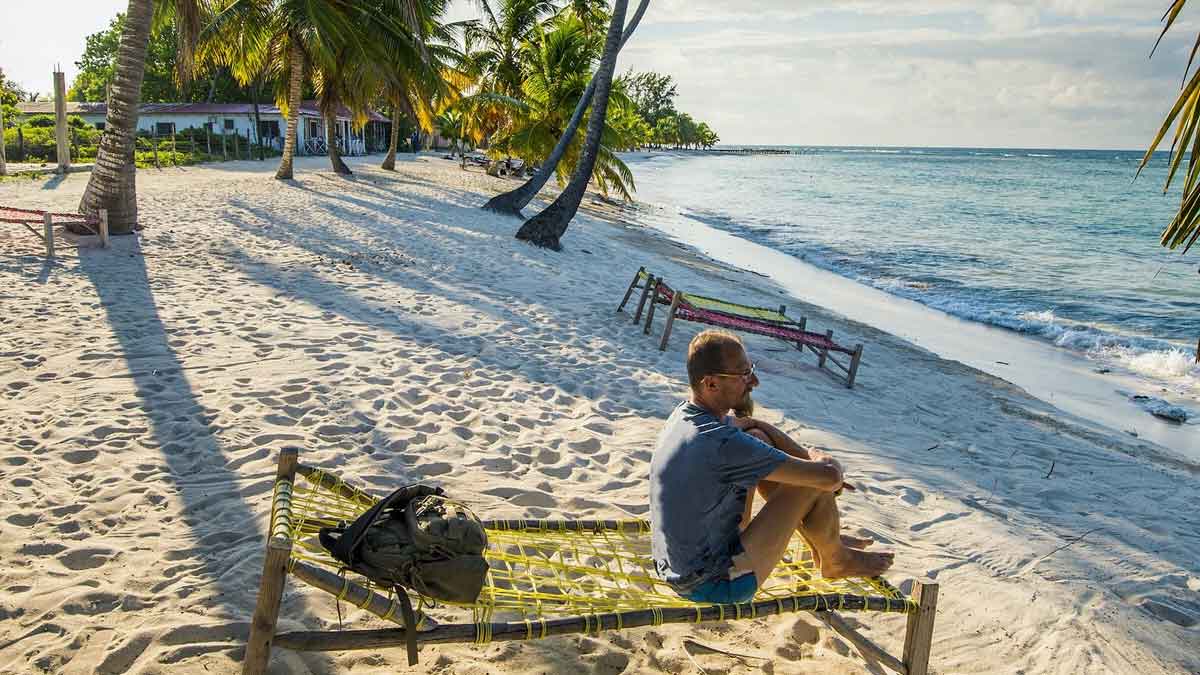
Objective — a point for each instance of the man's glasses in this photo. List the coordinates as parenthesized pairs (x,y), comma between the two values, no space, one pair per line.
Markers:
(746,376)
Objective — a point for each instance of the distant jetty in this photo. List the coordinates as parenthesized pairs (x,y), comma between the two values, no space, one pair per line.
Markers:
(756,151)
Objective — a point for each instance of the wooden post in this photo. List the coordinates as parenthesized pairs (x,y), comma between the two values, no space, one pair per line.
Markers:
(48,234)
(918,636)
(662,346)
(249,146)
(783,309)
(236,137)
(824,351)
(274,577)
(3,159)
(803,322)
(632,284)
(224,151)
(637,317)
(104,228)
(154,140)
(60,122)
(208,138)
(653,303)
(854,359)
(174,157)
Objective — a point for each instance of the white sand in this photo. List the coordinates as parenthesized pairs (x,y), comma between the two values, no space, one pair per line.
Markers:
(395,333)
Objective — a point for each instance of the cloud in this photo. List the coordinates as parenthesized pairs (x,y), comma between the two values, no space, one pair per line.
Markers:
(1063,73)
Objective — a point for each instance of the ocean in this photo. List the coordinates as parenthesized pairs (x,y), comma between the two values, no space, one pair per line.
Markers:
(1059,246)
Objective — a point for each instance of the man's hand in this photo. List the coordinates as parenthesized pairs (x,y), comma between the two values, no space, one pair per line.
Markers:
(745,423)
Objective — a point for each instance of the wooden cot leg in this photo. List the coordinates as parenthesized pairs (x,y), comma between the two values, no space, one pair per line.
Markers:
(918,636)
(270,589)
(104,228)
(629,291)
(650,281)
(824,352)
(803,322)
(854,359)
(48,234)
(650,312)
(662,347)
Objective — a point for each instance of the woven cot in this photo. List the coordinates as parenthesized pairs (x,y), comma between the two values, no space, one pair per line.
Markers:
(735,316)
(547,577)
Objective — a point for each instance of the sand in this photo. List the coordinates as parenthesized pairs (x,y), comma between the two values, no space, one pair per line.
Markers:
(394,332)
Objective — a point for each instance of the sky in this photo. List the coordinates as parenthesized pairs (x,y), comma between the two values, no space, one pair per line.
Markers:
(1015,73)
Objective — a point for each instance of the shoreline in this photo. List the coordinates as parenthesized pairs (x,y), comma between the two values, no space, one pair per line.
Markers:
(397,333)
(1099,392)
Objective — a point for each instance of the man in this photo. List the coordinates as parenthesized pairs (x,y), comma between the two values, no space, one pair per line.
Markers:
(704,543)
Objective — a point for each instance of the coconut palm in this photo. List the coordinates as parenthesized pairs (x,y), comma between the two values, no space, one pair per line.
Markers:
(492,59)
(113,182)
(513,201)
(1184,228)
(546,228)
(423,74)
(560,59)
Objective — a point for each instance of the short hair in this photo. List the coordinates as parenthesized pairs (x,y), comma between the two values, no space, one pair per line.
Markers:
(707,354)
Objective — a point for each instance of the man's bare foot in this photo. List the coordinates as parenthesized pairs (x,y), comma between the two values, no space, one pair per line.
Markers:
(856,542)
(850,562)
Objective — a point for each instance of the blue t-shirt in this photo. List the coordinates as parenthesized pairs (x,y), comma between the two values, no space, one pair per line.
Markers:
(701,473)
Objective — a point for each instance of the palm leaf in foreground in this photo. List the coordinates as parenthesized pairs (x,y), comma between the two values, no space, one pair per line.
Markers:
(1184,228)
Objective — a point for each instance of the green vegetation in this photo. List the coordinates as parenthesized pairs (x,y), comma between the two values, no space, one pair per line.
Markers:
(1184,228)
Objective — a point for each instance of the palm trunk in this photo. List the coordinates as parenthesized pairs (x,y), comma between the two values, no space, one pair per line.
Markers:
(335,155)
(389,162)
(257,121)
(513,201)
(113,183)
(546,228)
(289,143)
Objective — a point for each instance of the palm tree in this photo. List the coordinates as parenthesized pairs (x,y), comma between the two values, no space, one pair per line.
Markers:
(423,73)
(513,201)
(492,58)
(1184,228)
(546,228)
(296,39)
(113,182)
(560,60)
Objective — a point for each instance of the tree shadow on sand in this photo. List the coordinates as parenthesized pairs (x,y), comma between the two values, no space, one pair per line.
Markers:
(226,539)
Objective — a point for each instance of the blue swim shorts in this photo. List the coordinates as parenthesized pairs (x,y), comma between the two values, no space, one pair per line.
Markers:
(726,591)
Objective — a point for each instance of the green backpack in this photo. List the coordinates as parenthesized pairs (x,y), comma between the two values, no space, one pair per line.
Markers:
(415,539)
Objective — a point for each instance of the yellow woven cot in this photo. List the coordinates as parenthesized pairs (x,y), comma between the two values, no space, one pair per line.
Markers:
(547,577)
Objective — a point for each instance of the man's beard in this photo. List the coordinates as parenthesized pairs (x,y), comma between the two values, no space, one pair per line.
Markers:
(744,407)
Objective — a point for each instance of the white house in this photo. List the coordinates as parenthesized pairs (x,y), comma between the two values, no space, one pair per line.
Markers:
(238,118)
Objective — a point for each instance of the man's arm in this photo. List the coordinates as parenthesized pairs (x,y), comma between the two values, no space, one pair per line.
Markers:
(778,438)
(825,476)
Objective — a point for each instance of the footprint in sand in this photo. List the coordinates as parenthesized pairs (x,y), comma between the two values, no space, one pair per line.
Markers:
(80,456)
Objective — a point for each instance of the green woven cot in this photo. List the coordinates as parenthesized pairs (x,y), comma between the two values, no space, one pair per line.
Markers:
(735,316)
(546,578)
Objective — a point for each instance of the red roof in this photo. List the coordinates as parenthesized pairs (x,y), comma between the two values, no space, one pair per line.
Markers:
(307,108)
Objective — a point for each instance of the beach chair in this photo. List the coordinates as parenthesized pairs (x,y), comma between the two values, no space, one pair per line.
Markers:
(547,578)
(767,321)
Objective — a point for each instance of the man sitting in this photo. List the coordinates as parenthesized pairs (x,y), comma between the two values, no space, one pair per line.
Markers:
(704,542)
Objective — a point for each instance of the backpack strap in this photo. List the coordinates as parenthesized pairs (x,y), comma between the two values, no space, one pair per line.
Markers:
(410,625)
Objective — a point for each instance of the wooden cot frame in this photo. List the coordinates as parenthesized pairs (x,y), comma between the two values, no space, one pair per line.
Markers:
(278,563)
(650,292)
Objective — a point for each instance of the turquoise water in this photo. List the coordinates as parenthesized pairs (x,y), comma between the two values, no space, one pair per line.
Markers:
(1059,245)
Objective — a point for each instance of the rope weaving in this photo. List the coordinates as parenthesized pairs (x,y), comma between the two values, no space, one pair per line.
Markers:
(782,332)
(10,214)
(543,569)
(733,309)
